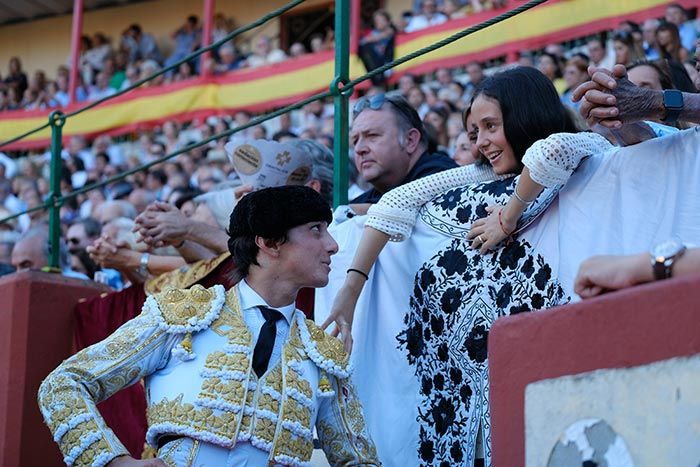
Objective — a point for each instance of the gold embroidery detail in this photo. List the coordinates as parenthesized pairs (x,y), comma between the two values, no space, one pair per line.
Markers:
(301,385)
(184,278)
(264,429)
(324,384)
(291,445)
(231,391)
(295,412)
(203,419)
(328,346)
(92,451)
(267,402)
(177,306)
(218,360)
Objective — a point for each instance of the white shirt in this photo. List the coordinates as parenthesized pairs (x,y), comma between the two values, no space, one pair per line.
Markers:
(250,307)
(421,22)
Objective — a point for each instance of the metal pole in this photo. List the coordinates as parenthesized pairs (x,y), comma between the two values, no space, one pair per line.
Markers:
(76,33)
(206,36)
(56,119)
(342,70)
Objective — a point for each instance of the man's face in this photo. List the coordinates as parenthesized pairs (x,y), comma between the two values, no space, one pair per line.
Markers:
(645,76)
(674,15)
(429,7)
(29,253)
(379,155)
(306,255)
(77,239)
(476,74)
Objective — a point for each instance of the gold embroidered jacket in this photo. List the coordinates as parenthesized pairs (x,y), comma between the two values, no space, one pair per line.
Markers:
(195,351)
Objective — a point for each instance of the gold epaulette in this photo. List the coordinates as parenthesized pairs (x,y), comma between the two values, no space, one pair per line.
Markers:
(185,276)
(326,351)
(187,310)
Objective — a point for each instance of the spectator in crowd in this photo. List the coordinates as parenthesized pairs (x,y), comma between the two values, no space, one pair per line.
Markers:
(476,76)
(575,74)
(391,146)
(437,119)
(32,250)
(16,79)
(228,59)
(416,98)
(550,66)
(649,74)
(649,28)
(101,88)
(676,15)
(377,47)
(429,16)
(187,38)
(140,45)
(466,151)
(95,56)
(297,49)
(453,9)
(598,53)
(264,54)
(669,43)
(627,50)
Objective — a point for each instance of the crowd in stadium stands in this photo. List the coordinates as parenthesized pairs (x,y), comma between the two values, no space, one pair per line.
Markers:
(659,54)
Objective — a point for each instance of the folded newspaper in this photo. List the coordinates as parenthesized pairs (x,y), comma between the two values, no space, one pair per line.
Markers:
(263,164)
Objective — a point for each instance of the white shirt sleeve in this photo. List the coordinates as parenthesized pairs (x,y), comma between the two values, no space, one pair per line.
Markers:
(396,212)
(552,160)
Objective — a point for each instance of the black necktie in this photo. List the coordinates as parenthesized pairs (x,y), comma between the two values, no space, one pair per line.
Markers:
(266,340)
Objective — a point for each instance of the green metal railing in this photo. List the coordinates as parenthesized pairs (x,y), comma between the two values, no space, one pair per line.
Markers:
(341,88)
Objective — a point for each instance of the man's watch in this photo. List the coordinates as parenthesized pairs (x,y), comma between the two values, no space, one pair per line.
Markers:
(673,104)
(663,256)
(143,264)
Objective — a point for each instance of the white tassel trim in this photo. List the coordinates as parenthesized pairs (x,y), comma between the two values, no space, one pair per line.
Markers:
(298,429)
(218,404)
(104,459)
(324,363)
(330,393)
(154,431)
(271,392)
(85,442)
(261,444)
(237,348)
(223,374)
(284,459)
(72,423)
(193,324)
(299,397)
(264,413)
(182,354)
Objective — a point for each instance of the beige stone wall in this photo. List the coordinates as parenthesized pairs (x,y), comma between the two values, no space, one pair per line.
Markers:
(45,43)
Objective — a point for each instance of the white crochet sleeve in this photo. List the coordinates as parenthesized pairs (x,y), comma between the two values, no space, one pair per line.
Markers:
(395,214)
(552,160)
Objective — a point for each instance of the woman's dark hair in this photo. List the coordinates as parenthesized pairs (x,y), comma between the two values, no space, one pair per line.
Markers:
(530,106)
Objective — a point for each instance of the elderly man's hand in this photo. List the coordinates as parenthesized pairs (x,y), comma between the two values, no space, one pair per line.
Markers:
(113,254)
(610,99)
(162,224)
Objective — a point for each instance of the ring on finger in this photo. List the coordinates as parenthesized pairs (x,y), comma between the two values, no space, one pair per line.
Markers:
(481,240)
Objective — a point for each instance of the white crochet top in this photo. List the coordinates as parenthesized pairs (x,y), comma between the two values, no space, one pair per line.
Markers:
(551,162)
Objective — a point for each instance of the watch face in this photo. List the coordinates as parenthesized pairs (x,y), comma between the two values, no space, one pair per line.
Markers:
(667,249)
(673,100)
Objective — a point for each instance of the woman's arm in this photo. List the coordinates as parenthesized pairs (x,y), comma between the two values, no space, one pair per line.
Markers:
(343,310)
(548,163)
(395,214)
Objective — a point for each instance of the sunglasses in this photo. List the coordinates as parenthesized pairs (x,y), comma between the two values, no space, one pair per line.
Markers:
(377,101)
(74,241)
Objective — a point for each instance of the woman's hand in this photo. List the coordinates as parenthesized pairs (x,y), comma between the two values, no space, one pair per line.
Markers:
(342,313)
(486,233)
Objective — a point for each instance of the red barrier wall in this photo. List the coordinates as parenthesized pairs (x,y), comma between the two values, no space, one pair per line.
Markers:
(632,327)
(36,334)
